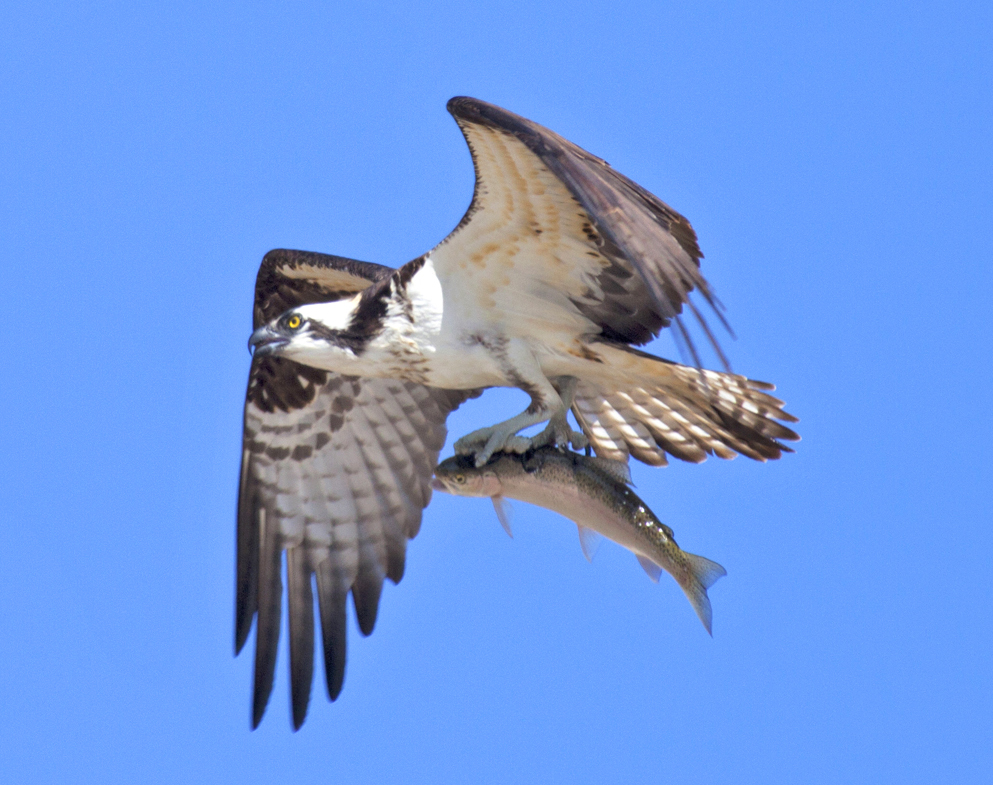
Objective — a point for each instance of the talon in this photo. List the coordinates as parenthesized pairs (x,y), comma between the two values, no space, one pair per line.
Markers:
(558,434)
(463,448)
(482,444)
(518,444)
(483,456)
(472,442)
(578,440)
(486,441)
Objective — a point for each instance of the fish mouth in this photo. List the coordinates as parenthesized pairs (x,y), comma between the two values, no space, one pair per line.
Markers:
(438,485)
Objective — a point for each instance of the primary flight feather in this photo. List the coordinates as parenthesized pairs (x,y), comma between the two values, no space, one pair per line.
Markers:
(558,269)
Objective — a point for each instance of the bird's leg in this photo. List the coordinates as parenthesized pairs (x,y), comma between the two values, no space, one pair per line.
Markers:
(521,368)
(558,432)
(500,437)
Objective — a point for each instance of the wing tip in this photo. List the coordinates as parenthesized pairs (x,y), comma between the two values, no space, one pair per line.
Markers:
(299,715)
(365,597)
(336,683)
(472,110)
(240,638)
(459,103)
(260,700)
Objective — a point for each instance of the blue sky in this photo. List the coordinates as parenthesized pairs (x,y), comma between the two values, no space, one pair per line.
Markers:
(835,160)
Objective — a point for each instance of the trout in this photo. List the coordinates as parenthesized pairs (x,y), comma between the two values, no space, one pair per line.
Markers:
(595,494)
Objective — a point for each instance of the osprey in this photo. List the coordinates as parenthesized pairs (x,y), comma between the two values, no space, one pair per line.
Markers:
(557,270)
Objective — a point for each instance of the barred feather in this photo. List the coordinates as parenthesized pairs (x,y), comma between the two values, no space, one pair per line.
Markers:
(686,413)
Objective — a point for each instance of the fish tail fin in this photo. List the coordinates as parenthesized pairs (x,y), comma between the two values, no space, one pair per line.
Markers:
(658,408)
(704,573)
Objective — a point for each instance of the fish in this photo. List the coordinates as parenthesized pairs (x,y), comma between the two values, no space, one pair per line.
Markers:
(595,493)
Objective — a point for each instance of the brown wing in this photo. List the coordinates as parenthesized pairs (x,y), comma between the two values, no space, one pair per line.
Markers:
(335,472)
(626,261)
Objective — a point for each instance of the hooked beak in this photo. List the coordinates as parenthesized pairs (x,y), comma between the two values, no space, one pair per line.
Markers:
(266,341)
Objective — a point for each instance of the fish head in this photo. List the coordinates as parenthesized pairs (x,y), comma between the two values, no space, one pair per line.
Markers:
(459,476)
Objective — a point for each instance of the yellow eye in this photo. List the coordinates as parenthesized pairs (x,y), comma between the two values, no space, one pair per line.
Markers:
(459,478)
(293,322)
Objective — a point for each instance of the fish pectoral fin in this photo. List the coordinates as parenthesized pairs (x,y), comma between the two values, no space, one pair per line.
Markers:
(589,541)
(504,513)
(650,567)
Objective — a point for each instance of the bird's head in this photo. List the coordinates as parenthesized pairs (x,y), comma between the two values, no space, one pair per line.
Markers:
(322,335)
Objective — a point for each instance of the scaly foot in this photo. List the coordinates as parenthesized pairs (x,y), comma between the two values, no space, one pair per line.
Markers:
(502,438)
(558,434)
(486,441)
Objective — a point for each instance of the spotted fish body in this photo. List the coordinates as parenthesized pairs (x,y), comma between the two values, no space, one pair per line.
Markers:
(596,495)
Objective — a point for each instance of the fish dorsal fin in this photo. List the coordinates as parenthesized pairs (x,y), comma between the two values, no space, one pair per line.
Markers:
(653,570)
(589,541)
(617,469)
(504,513)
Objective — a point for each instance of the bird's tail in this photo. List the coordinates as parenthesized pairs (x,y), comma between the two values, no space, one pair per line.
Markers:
(664,407)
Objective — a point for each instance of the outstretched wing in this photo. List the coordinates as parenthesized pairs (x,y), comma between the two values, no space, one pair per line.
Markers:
(335,472)
(555,230)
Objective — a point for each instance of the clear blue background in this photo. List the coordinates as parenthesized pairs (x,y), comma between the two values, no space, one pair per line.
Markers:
(835,159)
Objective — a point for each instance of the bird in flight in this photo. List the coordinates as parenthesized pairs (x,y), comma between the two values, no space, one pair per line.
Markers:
(560,267)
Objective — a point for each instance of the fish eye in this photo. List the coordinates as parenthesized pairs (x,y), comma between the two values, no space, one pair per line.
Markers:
(294,321)
(459,478)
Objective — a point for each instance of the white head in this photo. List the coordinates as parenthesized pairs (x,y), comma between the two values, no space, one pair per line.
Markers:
(323,335)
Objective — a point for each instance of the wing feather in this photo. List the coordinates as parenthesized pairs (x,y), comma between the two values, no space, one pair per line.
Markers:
(301,605)
(270,590)
(582,239)
(349,505)
(247,576)
(684,416)
(336,473)
(332,592)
